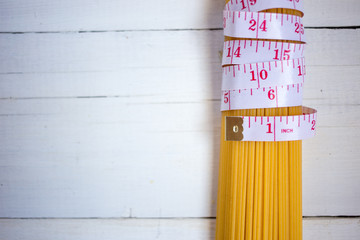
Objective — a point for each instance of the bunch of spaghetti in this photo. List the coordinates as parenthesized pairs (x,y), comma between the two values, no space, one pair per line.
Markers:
(260,178)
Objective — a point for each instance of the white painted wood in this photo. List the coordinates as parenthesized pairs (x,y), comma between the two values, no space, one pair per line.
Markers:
(141,51)
(112,157)
(324,84)
(149,146)
(151,229)
(331,228)
(87,15)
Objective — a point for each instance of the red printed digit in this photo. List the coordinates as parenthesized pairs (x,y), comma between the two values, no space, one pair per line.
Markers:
(224,22)
(313,122)
(243,4)
(300,73)
(237,52)
(226,97)
(252,2)
(276,54)
(263,26)
(253,76)
(263,74)
(253,23)
(299,28)
(229,52)
(271,94)
(297,25)
(269,128)
(286,54)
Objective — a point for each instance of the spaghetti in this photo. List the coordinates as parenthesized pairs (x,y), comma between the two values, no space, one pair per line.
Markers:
(260,183)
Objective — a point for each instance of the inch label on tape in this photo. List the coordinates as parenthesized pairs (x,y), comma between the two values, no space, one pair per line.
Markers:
(263,26)
(274,128)
(260,5)
(266,74)
(251,51)
(281,96)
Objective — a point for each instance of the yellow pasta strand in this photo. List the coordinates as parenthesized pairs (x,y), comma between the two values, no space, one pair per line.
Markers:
(260,189)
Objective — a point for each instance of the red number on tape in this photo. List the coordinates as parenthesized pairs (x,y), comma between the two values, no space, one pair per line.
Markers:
(299,28)
(237,52)
(253,23)
(263,74)
(313,122)
(286,54)
(271,94)
(263,26)
(269,128)
(226,97)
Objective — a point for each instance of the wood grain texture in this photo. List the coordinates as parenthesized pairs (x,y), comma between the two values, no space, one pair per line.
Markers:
(110,125)
(94,15)
(109,157)
(151,229)
(110,64)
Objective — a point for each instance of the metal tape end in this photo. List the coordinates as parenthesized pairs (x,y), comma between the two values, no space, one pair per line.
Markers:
(234,128)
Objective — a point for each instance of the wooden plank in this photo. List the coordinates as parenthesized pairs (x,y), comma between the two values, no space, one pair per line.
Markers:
(114,52)
(60,65)
(93,15)
(64,156)
(149,229)
(68,157)
(332,85)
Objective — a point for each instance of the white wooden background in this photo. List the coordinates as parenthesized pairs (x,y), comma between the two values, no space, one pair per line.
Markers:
(109,119)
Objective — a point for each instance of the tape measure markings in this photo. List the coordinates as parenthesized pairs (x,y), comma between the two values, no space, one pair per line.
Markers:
(263,25)
(262,51)
(266,97)
(273,128)
(260,5)
(265,74)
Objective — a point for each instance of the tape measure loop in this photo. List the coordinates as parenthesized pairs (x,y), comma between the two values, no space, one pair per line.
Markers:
(274,128)
(261,5)
(263,72)
(252,51)
(264,25)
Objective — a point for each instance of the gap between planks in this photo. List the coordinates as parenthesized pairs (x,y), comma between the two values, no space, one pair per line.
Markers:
(157,30)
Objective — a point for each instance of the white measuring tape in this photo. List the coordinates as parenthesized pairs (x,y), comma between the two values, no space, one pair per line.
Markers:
(274,128)
(251,51)
(258,5)
(263,25)
(264,74)
(283,96)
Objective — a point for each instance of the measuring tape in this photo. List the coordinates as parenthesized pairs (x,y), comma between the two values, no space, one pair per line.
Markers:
(264,74)
(263,25)
(258,5)
(251,51)
(282,96)
(274,128)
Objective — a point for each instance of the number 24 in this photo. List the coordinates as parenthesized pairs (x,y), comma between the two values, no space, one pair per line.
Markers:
(253,24)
